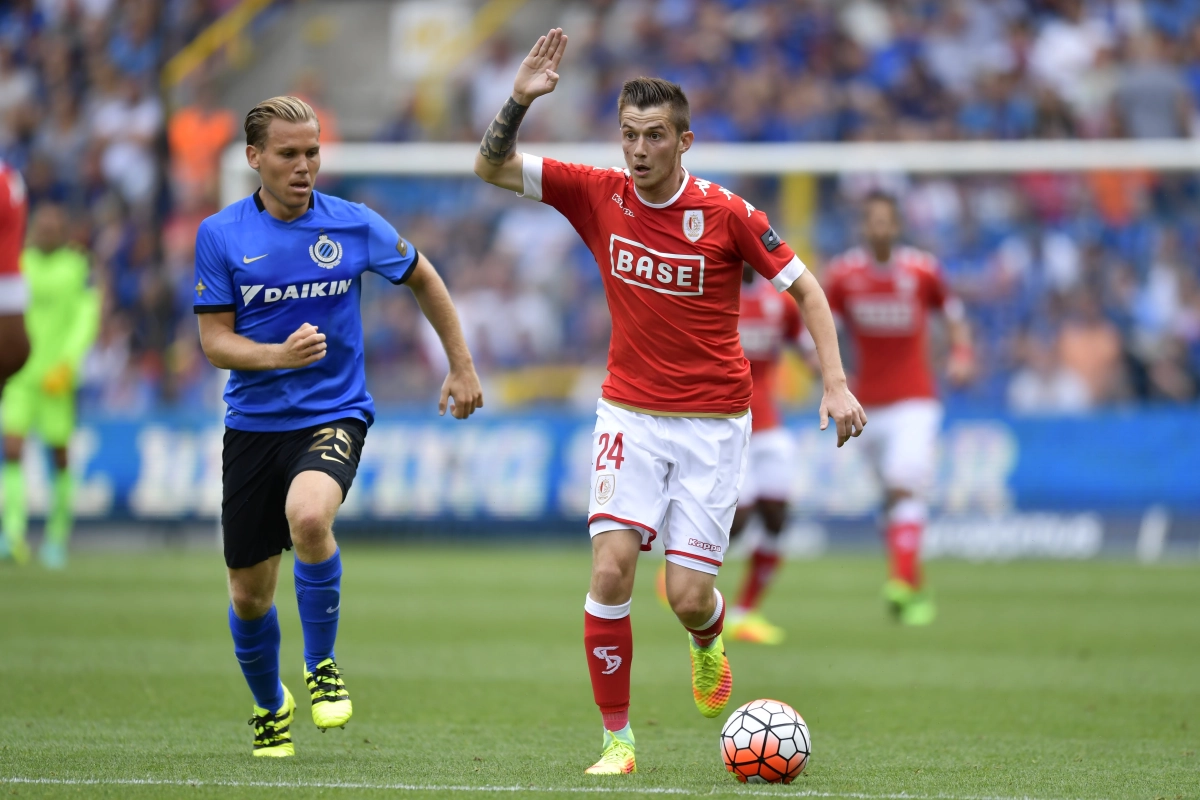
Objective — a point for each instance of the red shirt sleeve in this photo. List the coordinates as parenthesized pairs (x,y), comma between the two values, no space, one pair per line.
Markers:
(759,246)
(573,189)
(12,220)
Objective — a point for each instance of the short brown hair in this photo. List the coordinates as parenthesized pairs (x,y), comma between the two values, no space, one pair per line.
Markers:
(651,92)
(284,107)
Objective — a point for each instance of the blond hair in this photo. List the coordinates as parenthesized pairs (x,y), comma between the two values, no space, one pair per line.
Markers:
(284,107)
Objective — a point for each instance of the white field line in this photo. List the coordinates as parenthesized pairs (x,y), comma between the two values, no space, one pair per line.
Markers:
(416,787)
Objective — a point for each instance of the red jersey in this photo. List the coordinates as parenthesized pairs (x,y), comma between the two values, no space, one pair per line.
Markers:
(672,273)
(12,239)
(769,320)
(885,308)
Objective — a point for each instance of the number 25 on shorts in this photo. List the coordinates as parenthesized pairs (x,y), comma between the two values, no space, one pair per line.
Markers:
(613,452)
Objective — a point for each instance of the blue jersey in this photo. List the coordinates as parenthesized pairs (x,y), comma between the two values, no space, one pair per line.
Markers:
(275,276)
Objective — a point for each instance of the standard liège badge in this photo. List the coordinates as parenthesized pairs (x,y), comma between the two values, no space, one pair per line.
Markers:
(606,484)
(693,224)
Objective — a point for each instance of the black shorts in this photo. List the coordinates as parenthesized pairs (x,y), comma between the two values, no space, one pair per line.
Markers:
(257,468)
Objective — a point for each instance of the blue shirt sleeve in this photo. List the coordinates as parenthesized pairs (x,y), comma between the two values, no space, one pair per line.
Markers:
(213,291)
(390,254)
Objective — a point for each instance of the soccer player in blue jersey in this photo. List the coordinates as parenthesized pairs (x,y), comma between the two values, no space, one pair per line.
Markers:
(277,294)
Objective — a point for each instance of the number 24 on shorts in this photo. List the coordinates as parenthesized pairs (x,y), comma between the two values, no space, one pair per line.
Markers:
(614,453)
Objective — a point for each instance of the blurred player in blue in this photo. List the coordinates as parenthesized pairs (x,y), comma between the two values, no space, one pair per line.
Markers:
(277,294)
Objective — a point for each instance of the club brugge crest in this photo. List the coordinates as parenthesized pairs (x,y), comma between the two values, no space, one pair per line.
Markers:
(693,224)
(326,252)
(606,484)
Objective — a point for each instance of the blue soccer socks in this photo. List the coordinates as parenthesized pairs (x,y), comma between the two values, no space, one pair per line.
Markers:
(319,598)
(256,645)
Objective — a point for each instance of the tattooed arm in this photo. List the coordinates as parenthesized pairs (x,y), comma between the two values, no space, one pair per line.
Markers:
(498,162)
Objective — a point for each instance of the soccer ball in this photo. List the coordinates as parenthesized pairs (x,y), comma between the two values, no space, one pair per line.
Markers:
(765,741)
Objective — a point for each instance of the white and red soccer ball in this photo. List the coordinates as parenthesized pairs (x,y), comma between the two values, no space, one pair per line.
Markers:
(765,741)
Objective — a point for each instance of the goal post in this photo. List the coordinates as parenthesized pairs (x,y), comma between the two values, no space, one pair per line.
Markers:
(457,159)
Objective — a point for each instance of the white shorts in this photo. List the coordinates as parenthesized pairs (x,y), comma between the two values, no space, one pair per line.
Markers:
(677,477)
(901,441)
(14,294)
(770,470)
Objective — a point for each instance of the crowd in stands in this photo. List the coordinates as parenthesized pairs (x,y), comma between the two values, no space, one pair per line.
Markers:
(1083,288)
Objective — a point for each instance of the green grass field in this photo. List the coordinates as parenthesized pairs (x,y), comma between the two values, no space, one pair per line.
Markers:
(1040,680)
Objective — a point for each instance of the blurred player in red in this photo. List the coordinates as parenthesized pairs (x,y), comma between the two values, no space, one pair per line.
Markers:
(767,322)
(672,428)
(14,344)
(883,292)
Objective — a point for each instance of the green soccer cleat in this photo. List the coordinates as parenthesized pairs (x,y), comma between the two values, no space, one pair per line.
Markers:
(617,757)
(273,730)
(712,680)
(910,606)
(753,627)
(331,707)
(17,552)
(53,556)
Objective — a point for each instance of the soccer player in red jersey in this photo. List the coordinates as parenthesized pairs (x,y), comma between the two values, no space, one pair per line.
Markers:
(670,443)
(769,320)
(884,292)
(14,344)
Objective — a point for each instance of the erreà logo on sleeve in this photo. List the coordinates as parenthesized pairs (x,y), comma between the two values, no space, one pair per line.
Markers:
(296,291)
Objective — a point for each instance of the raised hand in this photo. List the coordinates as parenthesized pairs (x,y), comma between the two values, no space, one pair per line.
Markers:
(538,73)
(302,348)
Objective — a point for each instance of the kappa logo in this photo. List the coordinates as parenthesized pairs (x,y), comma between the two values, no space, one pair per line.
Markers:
(709,546)
(326,252)
(617,199)
(606,485)
(611,663)
(693,224)
(665,273)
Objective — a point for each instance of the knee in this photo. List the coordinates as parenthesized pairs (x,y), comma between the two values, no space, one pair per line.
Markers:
(249,601)
(308,524)
(692,603)
(612,582)
(12,448)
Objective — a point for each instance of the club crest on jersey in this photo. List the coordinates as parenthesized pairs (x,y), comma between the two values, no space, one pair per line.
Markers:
(326,252)
(606,484)
(693,224)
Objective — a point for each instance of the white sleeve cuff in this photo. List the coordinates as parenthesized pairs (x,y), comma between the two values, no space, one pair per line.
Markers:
(14,294)
(531,177)
(788,275)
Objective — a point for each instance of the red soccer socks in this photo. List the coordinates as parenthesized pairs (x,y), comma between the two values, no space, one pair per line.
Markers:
(906,522)
(608,642)
(759,572)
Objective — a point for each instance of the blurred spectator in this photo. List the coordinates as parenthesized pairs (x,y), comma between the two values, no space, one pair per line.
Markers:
(1090,346)
(126,125)
(198,134)
(1152,99)
(1044,386)
(311,90)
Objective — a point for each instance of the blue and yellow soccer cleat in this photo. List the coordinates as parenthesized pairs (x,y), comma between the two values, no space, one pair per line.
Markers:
(910,606)
(273,729)
(753,627)
(617,756)
(331,707)
(712,680)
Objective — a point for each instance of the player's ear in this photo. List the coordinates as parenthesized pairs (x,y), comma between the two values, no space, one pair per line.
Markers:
(252,155)
(685,141)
